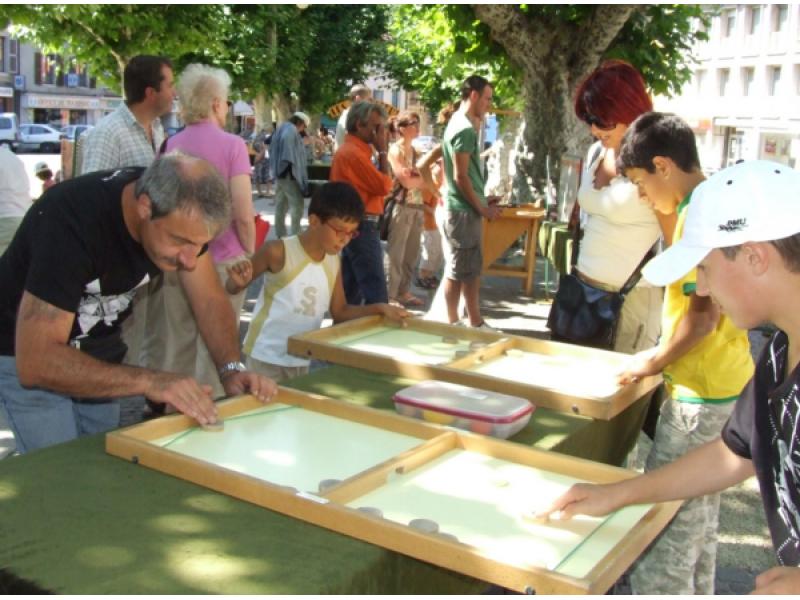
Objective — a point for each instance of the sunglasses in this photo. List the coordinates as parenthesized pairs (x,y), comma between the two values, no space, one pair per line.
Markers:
(592,120)
(342,233)
(409,124)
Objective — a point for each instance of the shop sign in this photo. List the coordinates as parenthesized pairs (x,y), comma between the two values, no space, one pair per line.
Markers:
(6,92)
(61,102)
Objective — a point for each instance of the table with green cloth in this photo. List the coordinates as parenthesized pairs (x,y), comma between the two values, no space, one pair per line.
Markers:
(555,244)
(76,520)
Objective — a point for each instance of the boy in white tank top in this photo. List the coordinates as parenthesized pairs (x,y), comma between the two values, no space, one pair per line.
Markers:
(302,282)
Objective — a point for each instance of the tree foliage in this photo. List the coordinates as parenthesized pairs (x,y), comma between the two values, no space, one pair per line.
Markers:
(433,48)
(107,36)
(296,57)
(536,55)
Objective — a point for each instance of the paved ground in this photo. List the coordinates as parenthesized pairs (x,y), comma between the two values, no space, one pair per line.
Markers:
(744,544)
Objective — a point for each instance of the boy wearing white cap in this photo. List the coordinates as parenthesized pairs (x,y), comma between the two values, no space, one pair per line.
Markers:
(742,233)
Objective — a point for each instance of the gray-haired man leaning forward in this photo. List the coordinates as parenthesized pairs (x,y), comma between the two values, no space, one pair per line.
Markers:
(68,280)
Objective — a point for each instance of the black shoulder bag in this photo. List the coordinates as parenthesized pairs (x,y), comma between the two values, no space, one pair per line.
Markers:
(584,314)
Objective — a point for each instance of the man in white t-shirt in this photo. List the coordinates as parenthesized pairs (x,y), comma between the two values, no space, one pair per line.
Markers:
(15,195)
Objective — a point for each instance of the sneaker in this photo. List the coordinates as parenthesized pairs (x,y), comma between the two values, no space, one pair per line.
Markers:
(485,326)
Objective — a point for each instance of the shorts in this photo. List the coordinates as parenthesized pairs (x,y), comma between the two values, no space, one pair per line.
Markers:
(463,230)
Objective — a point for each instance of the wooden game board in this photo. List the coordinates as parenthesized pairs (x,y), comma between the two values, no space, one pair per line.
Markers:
(373,475)
(553,375)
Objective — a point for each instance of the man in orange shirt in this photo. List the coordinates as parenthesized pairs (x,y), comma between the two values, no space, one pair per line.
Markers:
(363,276)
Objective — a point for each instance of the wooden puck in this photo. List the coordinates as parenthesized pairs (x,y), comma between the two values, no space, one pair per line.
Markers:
(216,426)
(371,511)
(327,484)
(424,525)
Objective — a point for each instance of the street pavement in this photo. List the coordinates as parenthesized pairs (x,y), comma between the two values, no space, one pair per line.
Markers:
(744,543)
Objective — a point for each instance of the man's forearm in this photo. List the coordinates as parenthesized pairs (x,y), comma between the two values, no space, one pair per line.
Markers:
(217,324)
(707,469)
(71,372)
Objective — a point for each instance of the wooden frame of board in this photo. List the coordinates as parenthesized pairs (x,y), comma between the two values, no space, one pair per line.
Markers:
(321,345)
(329,509)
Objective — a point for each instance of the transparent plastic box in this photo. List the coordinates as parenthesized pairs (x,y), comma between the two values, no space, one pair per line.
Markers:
(479,411)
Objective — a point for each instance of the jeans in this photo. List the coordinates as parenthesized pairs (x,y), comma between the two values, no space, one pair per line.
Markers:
(288,194)
(363,277)
(41,418)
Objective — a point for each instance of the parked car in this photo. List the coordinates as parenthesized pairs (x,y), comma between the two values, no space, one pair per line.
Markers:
(43,138)
(9,131)
(73,132)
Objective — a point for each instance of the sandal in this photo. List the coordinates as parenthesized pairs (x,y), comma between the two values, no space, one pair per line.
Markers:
(411,300)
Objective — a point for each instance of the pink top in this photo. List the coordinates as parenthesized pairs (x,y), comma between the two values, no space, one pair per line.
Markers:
(228,153)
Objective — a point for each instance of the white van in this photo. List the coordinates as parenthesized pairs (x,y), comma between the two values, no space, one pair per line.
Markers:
(9,130)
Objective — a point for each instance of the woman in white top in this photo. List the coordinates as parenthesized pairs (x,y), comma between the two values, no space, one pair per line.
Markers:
(405,229)
(618,228)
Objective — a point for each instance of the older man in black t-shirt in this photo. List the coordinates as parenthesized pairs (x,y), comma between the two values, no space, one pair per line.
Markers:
(69,277)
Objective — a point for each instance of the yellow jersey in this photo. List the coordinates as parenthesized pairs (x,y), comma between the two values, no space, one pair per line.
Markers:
(718,367)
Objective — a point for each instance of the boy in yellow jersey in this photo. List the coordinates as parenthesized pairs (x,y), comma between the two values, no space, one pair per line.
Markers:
(302,283)
(704,358)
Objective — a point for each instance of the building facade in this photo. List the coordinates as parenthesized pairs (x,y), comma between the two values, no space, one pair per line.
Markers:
(743,101)
(49,88)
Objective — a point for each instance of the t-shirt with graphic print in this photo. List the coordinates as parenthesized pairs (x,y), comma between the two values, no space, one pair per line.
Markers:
(764,428)
(74,251)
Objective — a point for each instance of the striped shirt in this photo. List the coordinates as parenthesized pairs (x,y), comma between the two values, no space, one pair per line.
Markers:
(119,140)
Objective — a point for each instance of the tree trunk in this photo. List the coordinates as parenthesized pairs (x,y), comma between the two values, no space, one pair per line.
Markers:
(282,107)
(553,56)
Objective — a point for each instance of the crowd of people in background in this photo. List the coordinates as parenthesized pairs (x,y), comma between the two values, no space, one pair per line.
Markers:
(122,291)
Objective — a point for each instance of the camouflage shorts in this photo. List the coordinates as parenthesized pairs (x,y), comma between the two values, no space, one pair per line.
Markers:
(682,559)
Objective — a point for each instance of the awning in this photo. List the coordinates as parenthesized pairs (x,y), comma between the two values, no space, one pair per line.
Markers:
(337,109)
(242,109)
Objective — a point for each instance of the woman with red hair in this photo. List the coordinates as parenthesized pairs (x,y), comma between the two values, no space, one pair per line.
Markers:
(618,228)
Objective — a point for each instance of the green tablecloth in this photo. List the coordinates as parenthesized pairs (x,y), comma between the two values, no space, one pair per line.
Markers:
(76,520)
(555,244)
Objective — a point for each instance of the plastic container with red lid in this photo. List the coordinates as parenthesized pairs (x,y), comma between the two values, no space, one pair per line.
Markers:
(479,411)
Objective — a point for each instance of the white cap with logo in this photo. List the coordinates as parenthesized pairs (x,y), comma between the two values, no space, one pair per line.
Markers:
(753,201)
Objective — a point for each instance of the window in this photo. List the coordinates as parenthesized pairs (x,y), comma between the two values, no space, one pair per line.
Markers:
(700,78)
(780,16)
(774,80)
(378,95)
(797,80)
(48,69)
(724,78)
(755,20)
(13,53)
(748,76)
(396,98)
(728,23)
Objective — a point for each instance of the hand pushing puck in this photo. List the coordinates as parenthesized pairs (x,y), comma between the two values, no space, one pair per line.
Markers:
(218,425)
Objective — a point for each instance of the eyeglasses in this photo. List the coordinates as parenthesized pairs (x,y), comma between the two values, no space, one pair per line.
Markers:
(351,235)
(592,120)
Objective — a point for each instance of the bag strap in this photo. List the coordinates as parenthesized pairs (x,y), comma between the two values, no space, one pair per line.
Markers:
(574,222)
(637,272)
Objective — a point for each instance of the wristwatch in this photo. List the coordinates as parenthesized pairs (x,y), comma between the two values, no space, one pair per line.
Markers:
(231,367)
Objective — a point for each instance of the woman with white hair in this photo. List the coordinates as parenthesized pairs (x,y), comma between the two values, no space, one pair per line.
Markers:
(172,341)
